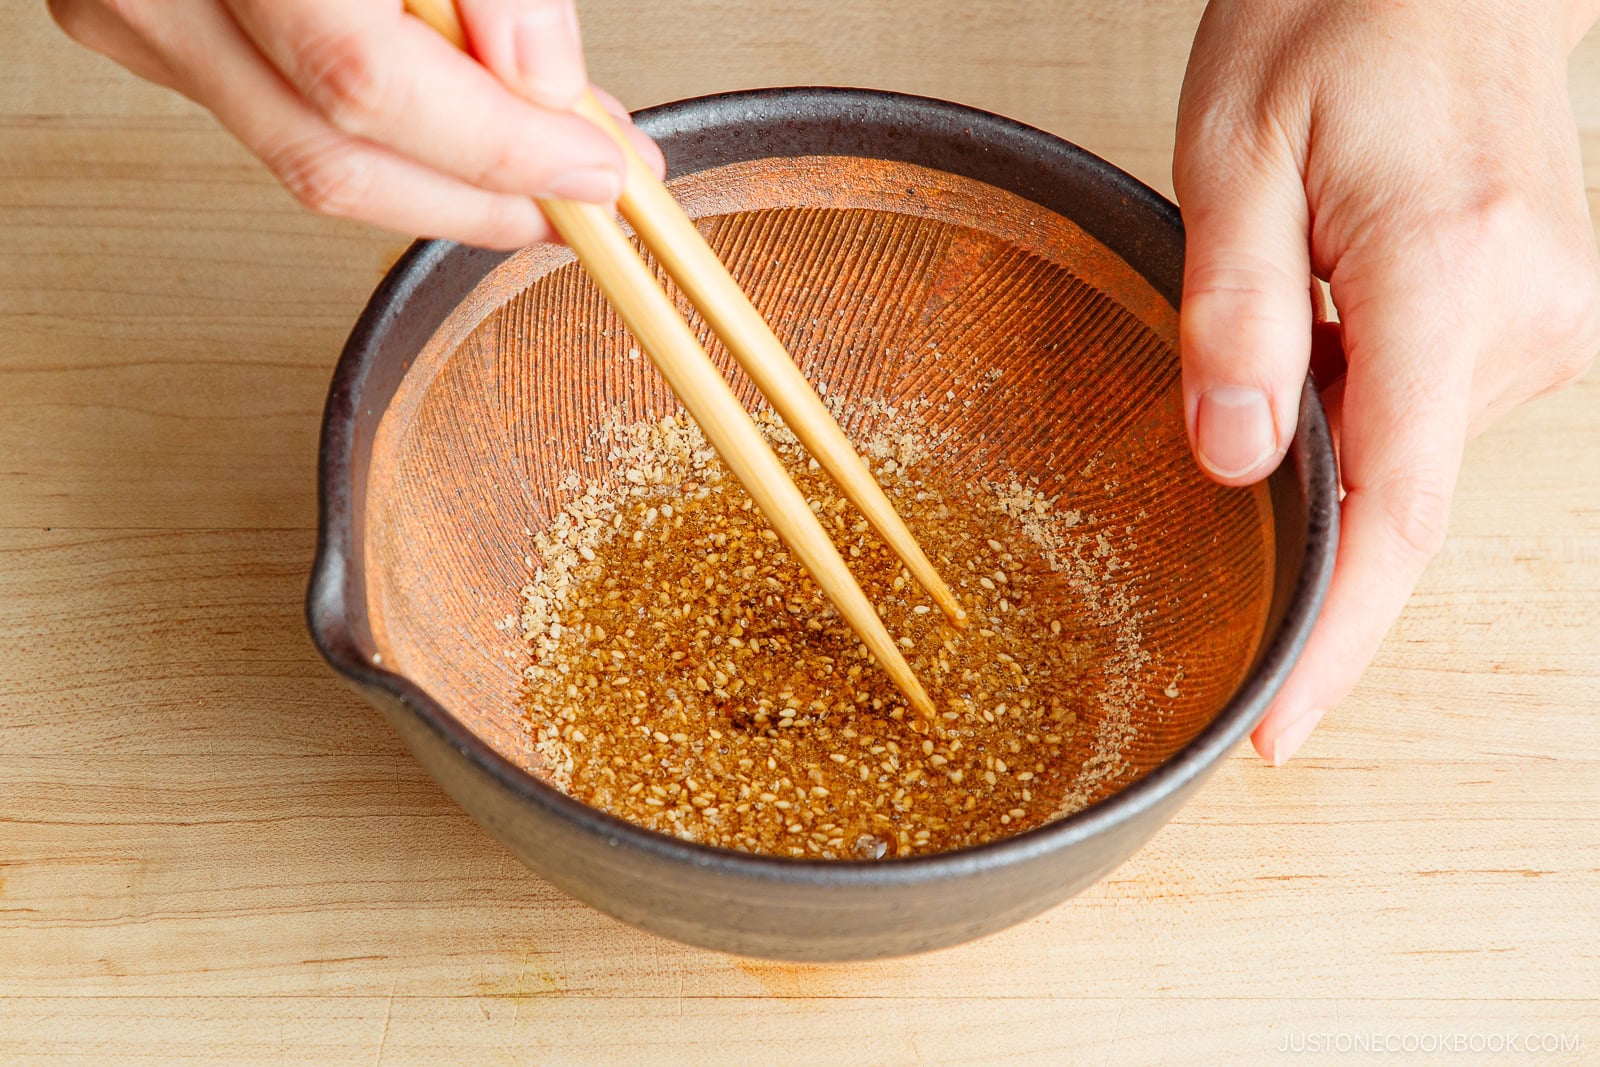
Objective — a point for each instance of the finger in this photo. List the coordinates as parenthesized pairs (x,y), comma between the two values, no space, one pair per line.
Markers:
(612,105)
(99,28)
(381,77)
(530,45)
(648,150)
(334,174)
(1245,322)
(327,170)
(534,48)
(1403,422)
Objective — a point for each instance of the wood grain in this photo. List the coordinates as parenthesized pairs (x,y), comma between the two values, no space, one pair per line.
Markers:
(879,1030)
(211,853)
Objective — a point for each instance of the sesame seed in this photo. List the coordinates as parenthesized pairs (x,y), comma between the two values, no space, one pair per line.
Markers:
(694,681)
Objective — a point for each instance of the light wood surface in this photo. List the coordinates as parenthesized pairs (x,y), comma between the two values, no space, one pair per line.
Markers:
(211,852)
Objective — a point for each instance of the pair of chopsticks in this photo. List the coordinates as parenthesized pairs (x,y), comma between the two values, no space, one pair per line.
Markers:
(628,284)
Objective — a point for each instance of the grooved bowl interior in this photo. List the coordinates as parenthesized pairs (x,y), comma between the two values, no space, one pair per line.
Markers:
(912,296)
(924,262)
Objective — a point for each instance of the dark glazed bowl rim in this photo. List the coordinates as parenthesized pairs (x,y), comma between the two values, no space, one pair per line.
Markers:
(337,611)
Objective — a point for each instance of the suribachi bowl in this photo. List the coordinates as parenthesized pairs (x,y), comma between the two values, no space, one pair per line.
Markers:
(872,229)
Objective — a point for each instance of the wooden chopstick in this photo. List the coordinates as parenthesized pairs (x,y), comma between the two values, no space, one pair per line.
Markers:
(628,284)
(611,260)
(664,228)
(443,17)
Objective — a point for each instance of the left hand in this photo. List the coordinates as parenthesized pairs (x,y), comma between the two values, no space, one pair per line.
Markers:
(1423,159)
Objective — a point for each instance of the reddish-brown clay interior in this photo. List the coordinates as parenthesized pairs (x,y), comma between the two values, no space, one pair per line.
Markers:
(890,283)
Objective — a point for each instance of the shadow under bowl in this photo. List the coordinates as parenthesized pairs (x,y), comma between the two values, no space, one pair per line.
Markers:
(1015,292)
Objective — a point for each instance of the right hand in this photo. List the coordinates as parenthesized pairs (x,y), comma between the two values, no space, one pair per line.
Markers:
(1423,160)
(363,112)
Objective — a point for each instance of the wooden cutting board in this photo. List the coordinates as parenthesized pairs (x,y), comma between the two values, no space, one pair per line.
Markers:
(211,852)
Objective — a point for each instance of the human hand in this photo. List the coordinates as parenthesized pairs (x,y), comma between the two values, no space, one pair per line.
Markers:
(1423,159)
(363,112)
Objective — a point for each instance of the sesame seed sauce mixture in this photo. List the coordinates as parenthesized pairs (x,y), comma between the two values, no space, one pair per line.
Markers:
(688,676)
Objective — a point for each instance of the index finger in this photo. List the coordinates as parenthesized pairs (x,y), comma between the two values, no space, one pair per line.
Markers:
(378,74)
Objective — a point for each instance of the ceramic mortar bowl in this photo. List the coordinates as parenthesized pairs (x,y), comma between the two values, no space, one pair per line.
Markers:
(874,230)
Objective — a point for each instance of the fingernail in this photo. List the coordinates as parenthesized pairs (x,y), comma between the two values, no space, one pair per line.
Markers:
(549,54)
(1292,736)
(1233,430)
(594,185)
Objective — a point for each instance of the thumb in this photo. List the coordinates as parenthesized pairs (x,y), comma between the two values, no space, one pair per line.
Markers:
(1245,323)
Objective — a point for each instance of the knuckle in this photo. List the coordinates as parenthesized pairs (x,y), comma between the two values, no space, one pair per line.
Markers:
(327,176)
(1472,242)
(1213,133)
(1418,512)
(346,82)
(1502,240)
(1570,324)
(1231,336)
(1489,224)
(1241,313)
(1245,273)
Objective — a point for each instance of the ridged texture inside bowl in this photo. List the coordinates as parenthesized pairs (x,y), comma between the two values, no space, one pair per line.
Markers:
(1031,350)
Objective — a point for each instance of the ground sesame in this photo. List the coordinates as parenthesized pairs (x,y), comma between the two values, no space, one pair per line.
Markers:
(677,647)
